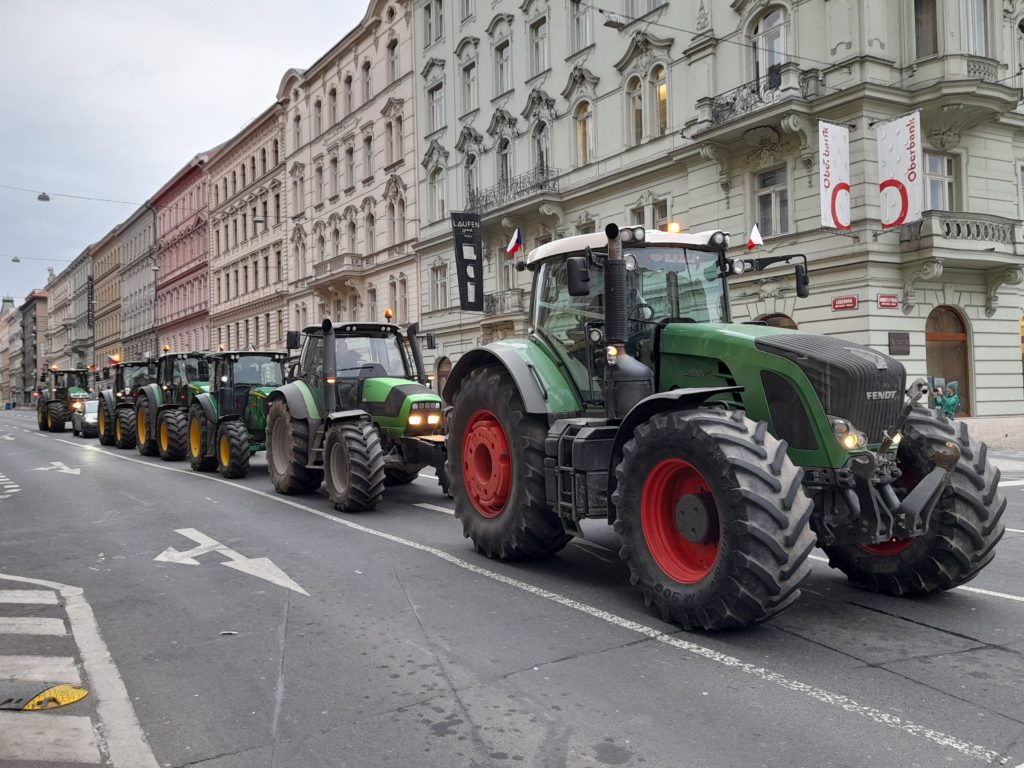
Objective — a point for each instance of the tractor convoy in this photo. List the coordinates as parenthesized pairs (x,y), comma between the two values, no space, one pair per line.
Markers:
(721,452)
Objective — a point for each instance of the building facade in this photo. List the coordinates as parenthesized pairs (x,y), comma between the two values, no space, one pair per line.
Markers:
(137,268)
(59,319)
(106,308)
(8,314)
(248,237)
(34,339)
(556,117)
(351,175)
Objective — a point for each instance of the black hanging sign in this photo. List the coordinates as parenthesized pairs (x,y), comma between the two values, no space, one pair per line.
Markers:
(469,260)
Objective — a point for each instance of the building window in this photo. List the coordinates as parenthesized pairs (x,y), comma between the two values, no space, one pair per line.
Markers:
(318,121)
(319,177)
(940,182)
(466,7)
(351,237)
(334,176)
(435,98)
(368,157)
(584,121)
(367,84)
(350,167)
(277,152)
(585,228)
(769,43)
(926,28)
(469,87)
(582,27)
(389,142)
(399,140)
(433,21)
(638,8)
(349,98)
(635,111)
(393,68)
(659,87)
(435,190)
(504,161)
(661,215)
(332,102)
(321,248)
(371,303)
(297,135)
(772,197)
(392,240)
(976,27)
(336,242)
(503,67)
(371,233)
(542,145)
(539,46)
(636,216)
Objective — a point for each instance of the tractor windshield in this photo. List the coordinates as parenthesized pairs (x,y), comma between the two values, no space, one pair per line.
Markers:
(192,369)
(80,380)
(258,370)
(135,377)
(370,355)
(676,283)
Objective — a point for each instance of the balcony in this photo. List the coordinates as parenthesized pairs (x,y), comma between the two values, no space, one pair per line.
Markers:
(341,266)
(515,190)
(498,305)
(967,239)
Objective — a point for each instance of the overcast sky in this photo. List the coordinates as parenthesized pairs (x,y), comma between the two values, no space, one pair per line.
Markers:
(110,98)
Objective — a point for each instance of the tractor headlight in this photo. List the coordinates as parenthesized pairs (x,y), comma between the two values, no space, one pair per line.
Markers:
(433,419)
(77,405)
(426,412)
(848,436)
(415,420)
(720,240)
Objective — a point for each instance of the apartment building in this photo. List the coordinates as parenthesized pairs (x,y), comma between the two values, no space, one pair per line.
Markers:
(34,326)
(105,305)
(137,268)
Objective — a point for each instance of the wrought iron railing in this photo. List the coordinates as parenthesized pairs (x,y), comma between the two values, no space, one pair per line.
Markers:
(540,179)
(504,302)
(749,97)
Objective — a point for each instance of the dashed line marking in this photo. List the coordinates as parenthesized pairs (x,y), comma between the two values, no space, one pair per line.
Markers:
(434,507)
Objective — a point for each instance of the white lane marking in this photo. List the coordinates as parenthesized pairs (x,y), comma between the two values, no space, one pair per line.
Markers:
(1014,530)
(31,625)
(6,437)
(1010,483)
(126,743)
(49,669)
(28,597)
(837,700)
(9,486)
(49,738)
(434,507)
(594,550)
(60,467)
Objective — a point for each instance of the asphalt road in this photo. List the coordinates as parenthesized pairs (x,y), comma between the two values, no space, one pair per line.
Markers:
(383,639)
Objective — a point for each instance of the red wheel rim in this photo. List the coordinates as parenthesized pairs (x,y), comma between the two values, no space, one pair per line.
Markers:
(887,548)
(684,561)
(486,464)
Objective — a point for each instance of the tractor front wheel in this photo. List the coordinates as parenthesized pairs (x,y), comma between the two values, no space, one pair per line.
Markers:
(105,425)
(496,465)
(288,452)
(146,440)
(198,439)
(964,528)
(124,428)
(233,449)
(353,466)
(172,438)
(714,523)
(56,416)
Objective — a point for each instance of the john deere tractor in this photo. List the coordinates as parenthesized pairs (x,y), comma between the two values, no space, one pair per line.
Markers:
(718,451)
(357,413)
(61,390)
(228,423)
(116,419)
(161,407)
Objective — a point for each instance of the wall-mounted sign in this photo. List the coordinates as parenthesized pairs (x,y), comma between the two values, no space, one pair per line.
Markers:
(899,343)
(840,303)
(888,301)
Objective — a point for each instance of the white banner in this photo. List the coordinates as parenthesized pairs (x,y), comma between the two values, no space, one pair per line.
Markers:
(834,176)
(900,170)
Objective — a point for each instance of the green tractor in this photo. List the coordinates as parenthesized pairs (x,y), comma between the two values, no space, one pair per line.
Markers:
(227,424)
(357,412)
(61,391)
(719,451)
(161,407)
(116,419)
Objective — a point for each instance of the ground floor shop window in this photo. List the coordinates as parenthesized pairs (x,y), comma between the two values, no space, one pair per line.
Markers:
(946,349)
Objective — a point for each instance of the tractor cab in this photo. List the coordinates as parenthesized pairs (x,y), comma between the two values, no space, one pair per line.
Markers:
(243,379)
(182,375)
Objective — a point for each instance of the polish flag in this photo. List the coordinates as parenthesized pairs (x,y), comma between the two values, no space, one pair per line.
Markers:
(755,238)
(515,243)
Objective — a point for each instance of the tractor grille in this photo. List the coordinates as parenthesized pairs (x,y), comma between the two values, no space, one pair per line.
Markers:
(852,381)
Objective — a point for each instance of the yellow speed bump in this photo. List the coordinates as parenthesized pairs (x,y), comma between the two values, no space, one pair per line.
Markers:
(55,696)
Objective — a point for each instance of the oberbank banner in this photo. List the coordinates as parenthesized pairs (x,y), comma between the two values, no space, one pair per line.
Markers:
(834,146)
(901,181)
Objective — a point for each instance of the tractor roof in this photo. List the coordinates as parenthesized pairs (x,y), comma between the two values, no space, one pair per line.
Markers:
(355,329)
(598,240)
(247,353)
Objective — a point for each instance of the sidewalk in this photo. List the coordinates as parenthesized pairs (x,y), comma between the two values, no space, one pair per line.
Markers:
(1004,434)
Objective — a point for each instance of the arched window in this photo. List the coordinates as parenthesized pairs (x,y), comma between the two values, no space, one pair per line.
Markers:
(393,69)
(367,89)
(389,143)
(392,240)
(504,161)
(332,102)
(583,118)
(263,161)
(399,139)
(469,167)
(371,233)
(635,110)
(336,242)
(400,223)
(542,145)
(318,118)
(659,95)
(277,152)
(947,353)
(321,249)
(778,320)
(297,130)
(351,237)
(348,94)
(769,44)
(435,193)
(252,167)
(241,170)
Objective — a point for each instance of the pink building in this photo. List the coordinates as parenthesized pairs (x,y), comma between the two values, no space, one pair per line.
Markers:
(182,259)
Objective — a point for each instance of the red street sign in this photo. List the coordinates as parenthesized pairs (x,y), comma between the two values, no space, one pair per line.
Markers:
(844,302)
(888,302)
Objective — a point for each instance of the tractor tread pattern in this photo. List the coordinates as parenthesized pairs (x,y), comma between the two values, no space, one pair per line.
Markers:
(126,421)
(365,486)
(57,415)
(177,434)
(106,435)
(202,462)
(298,478)
(148,447)
(238,440)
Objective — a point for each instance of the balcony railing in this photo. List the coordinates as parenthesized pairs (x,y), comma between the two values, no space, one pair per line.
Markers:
(972,231)
(508,302)
(540,179)
(342,264)
(749,97)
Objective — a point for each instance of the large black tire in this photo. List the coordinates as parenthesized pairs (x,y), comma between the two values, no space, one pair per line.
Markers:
(105,422)
(198,439)
(353,466)
(233,449)
(496,466)
(145,439)
(124,429)
(56,415)
(42,418)
(172,434)
(400,476)
(288,452)
(964,528)
(726,482)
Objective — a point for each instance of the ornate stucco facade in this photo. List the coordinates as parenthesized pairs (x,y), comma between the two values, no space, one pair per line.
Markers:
(106,289)
(560,118)
(136,255)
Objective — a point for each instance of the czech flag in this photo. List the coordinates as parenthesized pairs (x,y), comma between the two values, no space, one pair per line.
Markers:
(113,359)
(515,243)
(755,238)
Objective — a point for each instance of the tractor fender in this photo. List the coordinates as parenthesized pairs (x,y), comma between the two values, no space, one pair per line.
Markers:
(107,396)
(355,414)
(154,399)
(209,409)
(672,400)
(545,389)
(294,397)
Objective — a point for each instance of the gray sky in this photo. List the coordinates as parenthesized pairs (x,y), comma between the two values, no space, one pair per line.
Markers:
(110,98)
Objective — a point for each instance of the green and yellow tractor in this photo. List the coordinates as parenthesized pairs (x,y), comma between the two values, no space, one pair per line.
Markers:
(61,391)
(228,423)
(720,452)
(161,407)
(116,418)
(356,412)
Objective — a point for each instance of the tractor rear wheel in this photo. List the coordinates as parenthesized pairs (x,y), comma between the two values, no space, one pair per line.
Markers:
(400,476)
(496,466)
(124,428)
(42,418)
(105,425)
(233,449)
(146,440)
(714,523)
(964,528)
(288,452)
(353,466)
(172,437)
(56,416)
(198,439)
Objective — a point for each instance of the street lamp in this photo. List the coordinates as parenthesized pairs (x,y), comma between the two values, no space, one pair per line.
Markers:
(43,197)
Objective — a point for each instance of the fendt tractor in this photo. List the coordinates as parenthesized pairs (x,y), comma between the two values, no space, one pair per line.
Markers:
(719,451)
(357,413)
(116,419)
(161,407)
(61,391)
(227,424)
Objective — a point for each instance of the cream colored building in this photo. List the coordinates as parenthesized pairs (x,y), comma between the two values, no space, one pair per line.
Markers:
(559,118)
(136,255)
(248,237)
(106,309)
(351,175)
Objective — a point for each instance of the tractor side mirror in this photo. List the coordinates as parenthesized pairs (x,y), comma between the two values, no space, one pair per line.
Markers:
(803,283)
(293,340)
(578,274)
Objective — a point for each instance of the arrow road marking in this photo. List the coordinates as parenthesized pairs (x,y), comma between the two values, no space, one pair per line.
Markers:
(6,437)
(60,467)
(260,567)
